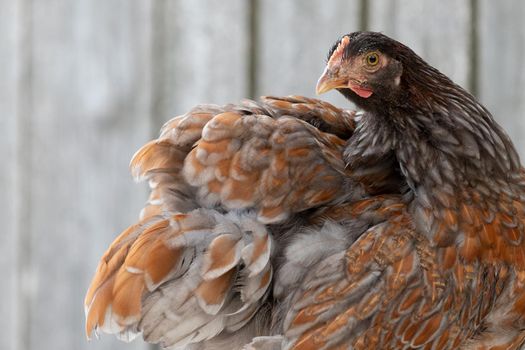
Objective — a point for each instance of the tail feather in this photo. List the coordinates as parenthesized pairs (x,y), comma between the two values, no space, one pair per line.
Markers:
(179,273)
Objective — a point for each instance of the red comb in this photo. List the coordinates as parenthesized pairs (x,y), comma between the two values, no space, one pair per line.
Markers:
(338,53)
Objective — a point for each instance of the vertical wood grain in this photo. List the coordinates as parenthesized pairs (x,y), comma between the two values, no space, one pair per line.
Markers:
(89,112)
(501,65)
(200,54)
(9,201)
(437,30)
(294,39)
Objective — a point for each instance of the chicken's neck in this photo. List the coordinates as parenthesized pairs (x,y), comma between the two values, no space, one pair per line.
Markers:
(444,142)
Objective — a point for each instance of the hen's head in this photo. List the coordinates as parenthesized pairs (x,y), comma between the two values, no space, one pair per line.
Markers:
(377,72)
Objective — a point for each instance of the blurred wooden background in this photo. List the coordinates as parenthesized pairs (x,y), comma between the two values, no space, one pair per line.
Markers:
(84,83)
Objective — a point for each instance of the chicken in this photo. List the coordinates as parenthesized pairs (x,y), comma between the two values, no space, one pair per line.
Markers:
(291,224)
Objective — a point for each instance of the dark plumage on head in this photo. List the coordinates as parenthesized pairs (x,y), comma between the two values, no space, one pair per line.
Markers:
(379,73)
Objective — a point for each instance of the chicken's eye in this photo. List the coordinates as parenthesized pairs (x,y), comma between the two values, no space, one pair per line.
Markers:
(372,59)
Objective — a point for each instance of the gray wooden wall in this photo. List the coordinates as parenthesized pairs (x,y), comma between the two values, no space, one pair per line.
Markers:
(83,83)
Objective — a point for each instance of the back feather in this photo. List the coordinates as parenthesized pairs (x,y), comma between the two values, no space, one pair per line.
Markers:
(198,262)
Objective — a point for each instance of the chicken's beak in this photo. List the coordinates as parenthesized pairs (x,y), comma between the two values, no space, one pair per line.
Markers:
(329,81)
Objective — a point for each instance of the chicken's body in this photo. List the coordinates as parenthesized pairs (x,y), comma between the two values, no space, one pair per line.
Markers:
(290,223)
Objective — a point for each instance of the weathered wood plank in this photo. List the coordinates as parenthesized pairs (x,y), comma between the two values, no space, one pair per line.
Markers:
(438,30)
(8,199)
(200,54)
(294,39)
(89,113)
(502,74)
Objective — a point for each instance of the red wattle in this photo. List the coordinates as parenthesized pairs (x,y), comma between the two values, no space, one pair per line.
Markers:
(361,91)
